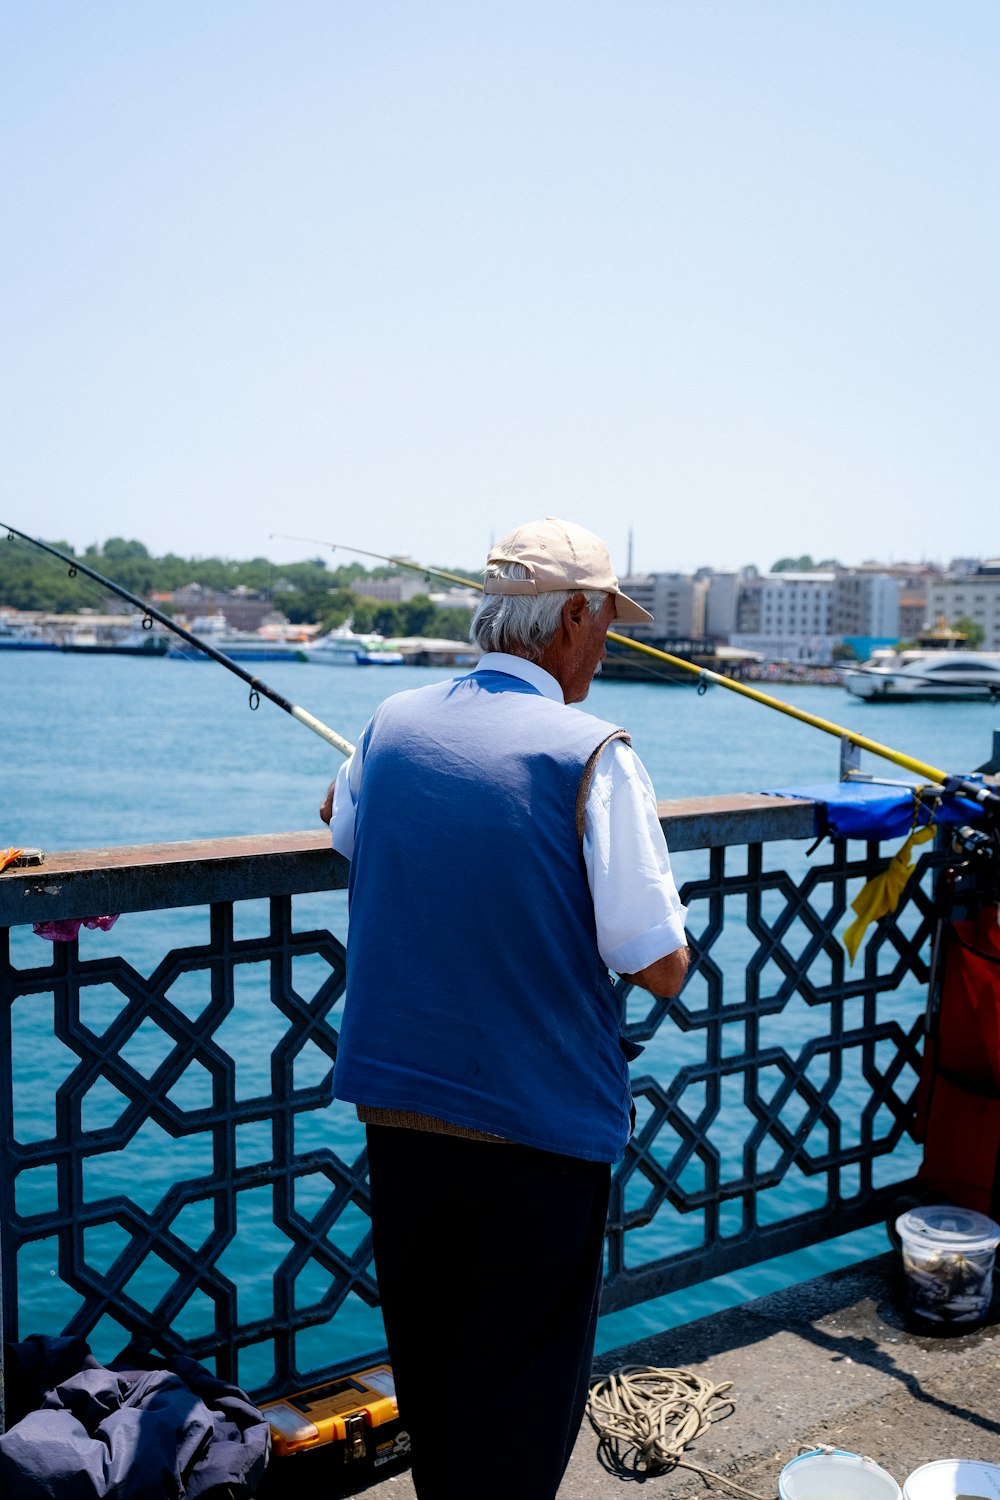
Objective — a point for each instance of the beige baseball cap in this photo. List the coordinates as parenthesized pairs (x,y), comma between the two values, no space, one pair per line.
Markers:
(560,555)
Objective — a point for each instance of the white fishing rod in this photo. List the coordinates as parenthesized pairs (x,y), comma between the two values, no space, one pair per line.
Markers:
(258,688)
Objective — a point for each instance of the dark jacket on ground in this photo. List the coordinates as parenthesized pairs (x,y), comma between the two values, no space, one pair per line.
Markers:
(78,1430)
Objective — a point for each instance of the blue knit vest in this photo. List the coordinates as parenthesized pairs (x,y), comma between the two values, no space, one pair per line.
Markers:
(475,989)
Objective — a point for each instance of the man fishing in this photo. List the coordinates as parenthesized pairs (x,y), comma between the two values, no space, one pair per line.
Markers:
(505,854)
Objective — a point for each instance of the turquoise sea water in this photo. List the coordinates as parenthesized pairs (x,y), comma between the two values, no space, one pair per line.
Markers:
(115,750)
(111,750)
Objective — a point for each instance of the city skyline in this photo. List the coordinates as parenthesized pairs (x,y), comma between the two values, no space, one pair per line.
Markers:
(335,557)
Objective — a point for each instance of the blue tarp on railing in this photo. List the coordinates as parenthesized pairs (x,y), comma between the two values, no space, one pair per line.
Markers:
(874,809)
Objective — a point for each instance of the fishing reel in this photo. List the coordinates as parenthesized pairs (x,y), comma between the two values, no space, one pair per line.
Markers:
(971,878)
(976,844)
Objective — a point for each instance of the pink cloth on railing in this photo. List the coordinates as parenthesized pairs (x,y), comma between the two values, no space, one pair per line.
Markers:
(67,929)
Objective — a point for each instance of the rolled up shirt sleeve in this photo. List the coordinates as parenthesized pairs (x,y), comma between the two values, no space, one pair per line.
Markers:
(345,802)
(638,912)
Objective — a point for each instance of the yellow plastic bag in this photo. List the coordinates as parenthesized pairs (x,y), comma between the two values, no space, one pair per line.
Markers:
(879,896)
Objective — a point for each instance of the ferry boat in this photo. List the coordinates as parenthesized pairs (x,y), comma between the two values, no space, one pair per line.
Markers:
(238,645)
(904,676)
(937,667)
(101,635)
(622,664)
(339,647)
(380,656)
(20,635)
(130,640)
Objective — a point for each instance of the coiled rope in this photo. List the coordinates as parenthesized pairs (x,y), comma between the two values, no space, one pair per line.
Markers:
(646,1417)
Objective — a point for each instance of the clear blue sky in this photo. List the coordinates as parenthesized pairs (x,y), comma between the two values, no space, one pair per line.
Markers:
(403,273)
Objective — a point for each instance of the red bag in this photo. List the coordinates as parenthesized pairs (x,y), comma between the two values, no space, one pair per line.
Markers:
(957,1114)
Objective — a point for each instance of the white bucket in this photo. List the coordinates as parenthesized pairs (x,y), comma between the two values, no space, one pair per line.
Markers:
(822,1474)
(953,1479)
(948,1262)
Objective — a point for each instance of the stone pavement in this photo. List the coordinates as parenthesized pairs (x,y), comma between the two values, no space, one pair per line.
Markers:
(829,1361)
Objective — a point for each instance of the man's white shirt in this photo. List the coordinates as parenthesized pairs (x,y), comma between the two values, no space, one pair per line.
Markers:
(637,911)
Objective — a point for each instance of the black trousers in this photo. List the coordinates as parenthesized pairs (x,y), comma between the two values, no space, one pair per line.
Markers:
(489,1261)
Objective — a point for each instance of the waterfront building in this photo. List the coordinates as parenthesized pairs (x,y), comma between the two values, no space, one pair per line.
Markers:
(676,602)
(722,592)
(792,604)
(397,590)
(242,608)
(787,616)
(912,606)
(912,612)
(456,598)
(975,596)
(866,603)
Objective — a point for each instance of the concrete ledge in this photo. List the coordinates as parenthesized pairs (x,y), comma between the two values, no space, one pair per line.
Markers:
(739,818)
(147,877)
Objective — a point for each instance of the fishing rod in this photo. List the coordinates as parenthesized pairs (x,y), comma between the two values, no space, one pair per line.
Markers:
(150,613)
(933,774)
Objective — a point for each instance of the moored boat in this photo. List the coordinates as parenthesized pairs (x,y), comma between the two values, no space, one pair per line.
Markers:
(132,640)
(379,656)
(238,645)
(99,635)
(20,635)
(339,647)
(908,675)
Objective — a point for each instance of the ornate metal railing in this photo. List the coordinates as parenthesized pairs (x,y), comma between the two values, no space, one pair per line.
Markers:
(175,1171)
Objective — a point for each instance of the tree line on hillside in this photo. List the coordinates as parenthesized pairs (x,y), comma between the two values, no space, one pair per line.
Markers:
(306,592)
(804,564)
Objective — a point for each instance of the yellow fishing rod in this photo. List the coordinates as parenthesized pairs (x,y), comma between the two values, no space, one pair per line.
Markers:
(921,768)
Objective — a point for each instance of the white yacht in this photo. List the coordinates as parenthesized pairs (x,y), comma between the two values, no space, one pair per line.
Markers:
(340,647)
(902,676)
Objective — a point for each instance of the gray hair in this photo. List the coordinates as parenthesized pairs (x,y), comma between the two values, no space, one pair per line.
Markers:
(523,624)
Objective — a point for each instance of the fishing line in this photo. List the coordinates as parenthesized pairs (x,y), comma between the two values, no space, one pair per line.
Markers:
(258,688)
(932,774)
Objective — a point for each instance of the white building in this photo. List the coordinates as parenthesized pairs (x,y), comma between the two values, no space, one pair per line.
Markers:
(676,602)
(866,603)
(787,617)
(721,600)
(976,597)
(456,598)
(399,589)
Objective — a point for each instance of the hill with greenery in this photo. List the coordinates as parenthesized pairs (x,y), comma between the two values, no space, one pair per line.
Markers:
(307,592)
(804,564)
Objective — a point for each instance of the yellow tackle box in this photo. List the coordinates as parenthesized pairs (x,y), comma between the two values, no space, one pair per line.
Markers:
(335,1436)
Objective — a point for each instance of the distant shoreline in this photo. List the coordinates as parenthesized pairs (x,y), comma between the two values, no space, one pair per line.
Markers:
(789,675)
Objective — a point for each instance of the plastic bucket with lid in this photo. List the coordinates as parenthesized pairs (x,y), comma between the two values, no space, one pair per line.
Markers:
(948,1262)
(825,1473)
(954,1479)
